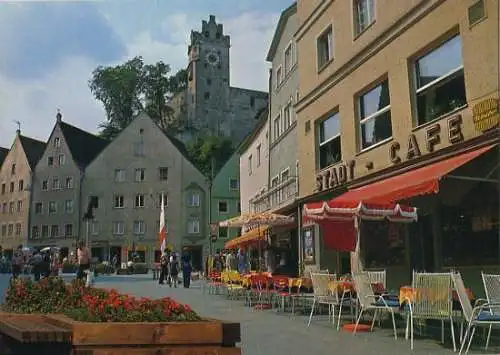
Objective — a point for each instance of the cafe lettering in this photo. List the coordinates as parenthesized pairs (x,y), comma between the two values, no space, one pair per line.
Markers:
(335,176)
(432,139)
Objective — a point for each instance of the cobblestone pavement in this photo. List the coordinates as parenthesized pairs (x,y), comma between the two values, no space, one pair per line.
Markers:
(267,332)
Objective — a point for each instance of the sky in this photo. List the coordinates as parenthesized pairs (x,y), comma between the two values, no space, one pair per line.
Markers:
(48,50)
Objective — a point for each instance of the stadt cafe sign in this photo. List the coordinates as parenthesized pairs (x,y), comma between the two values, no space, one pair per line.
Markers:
(340,174)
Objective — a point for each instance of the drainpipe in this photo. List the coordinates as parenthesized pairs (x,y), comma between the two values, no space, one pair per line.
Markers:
(79,205)
(269,123)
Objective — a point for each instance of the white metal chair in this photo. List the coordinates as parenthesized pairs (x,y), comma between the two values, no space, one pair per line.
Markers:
(378,277)
(491,285)
(484,315)
(432,300)
(323,295)
(369,301)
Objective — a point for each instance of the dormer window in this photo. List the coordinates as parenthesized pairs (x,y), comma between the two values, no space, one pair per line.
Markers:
(57,142)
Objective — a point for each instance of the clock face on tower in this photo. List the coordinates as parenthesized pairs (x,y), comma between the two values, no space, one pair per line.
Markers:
(212,58)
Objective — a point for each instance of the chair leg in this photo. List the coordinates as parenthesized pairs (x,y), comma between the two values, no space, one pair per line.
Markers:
(411,331)
(464,340)
(312,311)
(488,339)
(375,314)
(357,321)
(333,314)
(340,314)
(453,334)
(394,325)
(470,340)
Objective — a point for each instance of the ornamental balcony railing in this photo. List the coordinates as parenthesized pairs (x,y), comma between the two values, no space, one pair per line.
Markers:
(277,196)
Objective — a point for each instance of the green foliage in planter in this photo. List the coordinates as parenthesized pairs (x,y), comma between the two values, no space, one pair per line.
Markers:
(140,268)
(90,304)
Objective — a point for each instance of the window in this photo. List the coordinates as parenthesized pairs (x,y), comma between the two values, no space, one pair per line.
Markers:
(12,187)
(56,185)
(13,169)
(329,141)
(440,84)
(3,189)
(68,206)
(57,142)
(250,164)
(94,228)
(165,201)
(223,207)
(274,195)
(374,110)
(11,207)
(163,172)
(18,229)
(364,12)
(21,185)
(287,116)
(35,232)
(279,76)
(118,228)
(10,230)
(119,175)
(54,231)
(61,159)
(4,230)
(38,208)
(234,184)
(50,161)
(139,175)
(258,155)
(223,232)
(4,207)
(45,185)
(288,58)
(206,95)
(194,200)
(19,206)
(69,182)
(52,207)
(194,226)
(139,200)
(287,190)
(45,231)
(276,127)
(119,201)
(325,47)
(139,227)
(68,230)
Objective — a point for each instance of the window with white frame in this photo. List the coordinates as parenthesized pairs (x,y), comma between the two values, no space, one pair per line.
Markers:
(288,58)
(194,199)
(54,231)
(250,164)
(18,229)
(163,173)
(139,227)
(287,116)
(364,14)
(56,184)
(275,193)
(69,182)
(223,207)
(329,141)
(374,115)
(139,200)
(194,226)
(57,142)
(39,208)
(324,47)
(258,155)
(68,230)
(140,174)
(119,201)
(276,127)
(45,231)
(285,191)
(68,206)
(61,159)
(45,185)
(223,232)
(279,76)
(118,228)
(52,207)
(119,175)
(94,228)
(440,83)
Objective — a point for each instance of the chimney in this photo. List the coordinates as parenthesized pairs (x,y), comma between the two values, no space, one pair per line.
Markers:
(58,116)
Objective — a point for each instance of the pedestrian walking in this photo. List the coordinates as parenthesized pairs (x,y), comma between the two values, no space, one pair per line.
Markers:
(173,270)
(17,262)
(186,268)
(83,258)
(163,269)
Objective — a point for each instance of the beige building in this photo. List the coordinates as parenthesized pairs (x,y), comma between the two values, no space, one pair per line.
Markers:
(390,87)
(16,175)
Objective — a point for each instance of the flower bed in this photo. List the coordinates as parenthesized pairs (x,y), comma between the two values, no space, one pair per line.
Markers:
(90,304)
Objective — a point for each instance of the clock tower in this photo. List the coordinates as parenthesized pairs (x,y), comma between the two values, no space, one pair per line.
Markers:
(208,94)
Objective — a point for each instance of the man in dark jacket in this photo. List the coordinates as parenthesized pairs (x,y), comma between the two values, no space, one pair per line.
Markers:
(186,268)
(163,268)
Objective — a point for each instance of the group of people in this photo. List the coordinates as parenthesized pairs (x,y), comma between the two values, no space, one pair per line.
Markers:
(41,262)
(170,267)
(228,260)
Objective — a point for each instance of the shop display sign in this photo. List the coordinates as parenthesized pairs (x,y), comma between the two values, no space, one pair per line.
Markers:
(308,245)
(335,176)
(486,114)
(432,138)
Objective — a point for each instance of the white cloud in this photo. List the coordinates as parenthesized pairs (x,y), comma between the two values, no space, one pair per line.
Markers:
(35,103)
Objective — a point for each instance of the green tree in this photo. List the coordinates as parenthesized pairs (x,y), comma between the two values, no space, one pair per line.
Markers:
(209,153)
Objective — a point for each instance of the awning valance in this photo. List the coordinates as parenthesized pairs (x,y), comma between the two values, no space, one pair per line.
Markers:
(250,237)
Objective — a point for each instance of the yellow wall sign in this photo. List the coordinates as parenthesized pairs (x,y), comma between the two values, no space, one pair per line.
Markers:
(486,114)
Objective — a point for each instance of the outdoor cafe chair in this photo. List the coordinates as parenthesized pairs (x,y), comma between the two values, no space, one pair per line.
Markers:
(432,300)
(323,295)
(491,285)
(369,301)
(487,314)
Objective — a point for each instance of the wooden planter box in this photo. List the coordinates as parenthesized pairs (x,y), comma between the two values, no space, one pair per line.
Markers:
(43,334)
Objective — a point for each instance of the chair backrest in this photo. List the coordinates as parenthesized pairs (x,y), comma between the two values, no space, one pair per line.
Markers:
(433,295)
(463,297)
(378,277)
(321,285)
(363,287)
(491,285)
